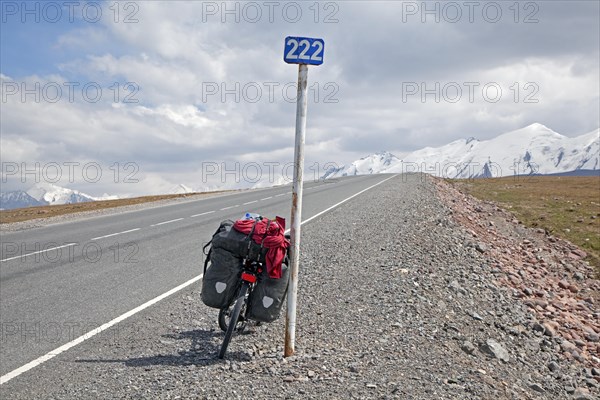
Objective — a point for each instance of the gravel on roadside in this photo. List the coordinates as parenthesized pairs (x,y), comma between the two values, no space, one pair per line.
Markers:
(393,302)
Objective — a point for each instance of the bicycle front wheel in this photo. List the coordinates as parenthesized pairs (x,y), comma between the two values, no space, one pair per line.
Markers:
(233,320)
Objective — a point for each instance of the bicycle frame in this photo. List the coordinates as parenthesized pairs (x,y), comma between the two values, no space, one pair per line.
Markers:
(251,271)
(250,274)
(247,281)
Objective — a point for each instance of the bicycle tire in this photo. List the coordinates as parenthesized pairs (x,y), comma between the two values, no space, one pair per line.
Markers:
(235,315)
(223,314)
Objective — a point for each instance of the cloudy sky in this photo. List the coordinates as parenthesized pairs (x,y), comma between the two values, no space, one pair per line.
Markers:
(135,97)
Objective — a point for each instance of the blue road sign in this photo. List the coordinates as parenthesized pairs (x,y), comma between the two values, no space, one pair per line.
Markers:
(301,50)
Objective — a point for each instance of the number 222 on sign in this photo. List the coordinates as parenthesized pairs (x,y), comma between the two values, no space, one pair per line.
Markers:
(301,50)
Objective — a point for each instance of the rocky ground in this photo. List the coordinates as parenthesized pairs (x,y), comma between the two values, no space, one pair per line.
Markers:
(410,290)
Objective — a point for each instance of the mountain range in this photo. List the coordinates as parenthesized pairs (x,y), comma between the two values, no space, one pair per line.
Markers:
(535,149)
(43,194)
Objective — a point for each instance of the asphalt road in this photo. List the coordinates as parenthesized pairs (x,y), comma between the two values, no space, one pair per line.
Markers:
(79,275)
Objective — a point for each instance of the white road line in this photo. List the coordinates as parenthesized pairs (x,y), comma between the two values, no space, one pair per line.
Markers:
(343,201)
(250,202)
(7,377)
(67,346)
(281,194)
(204,213)
(38,252)
(167,222)
(115,234)
(230,207)
(266,198)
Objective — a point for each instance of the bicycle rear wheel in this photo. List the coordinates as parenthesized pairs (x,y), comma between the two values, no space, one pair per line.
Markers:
(224,317)
(235,315)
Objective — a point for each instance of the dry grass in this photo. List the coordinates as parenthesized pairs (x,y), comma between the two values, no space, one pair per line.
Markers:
(25,214)
(568,207)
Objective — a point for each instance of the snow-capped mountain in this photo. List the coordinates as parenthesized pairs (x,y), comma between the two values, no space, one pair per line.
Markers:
(45,194)
(372,164)
(17,199)
(269,181)
(180,189)
(535,149)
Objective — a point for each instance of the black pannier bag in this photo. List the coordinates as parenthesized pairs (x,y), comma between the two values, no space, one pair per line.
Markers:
(226,256)
(221,278)
(268,296)
(237,243)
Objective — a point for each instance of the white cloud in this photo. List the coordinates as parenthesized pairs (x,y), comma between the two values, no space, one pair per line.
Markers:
(358,104)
